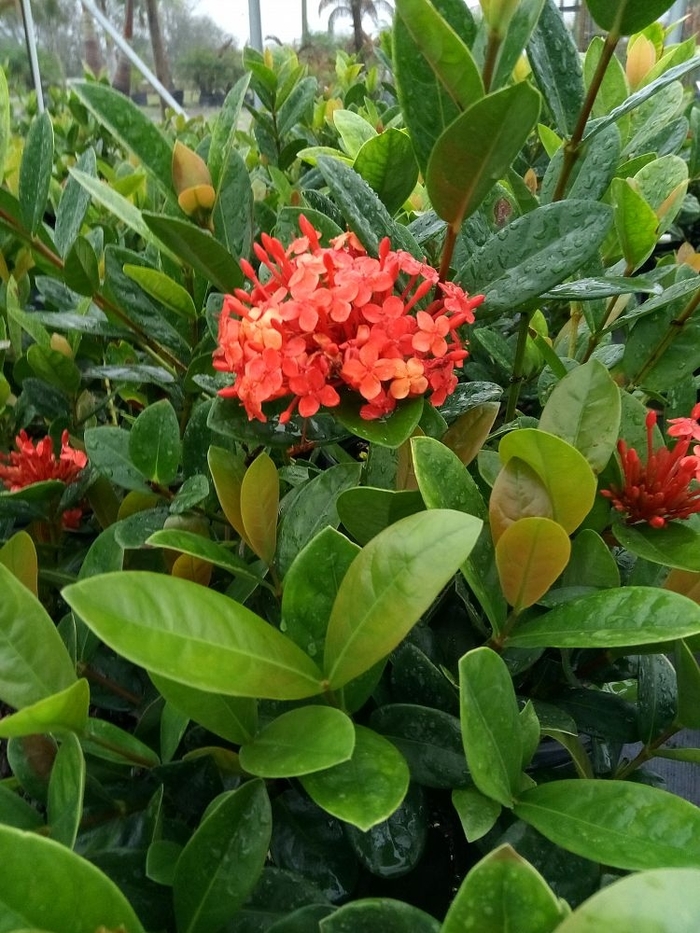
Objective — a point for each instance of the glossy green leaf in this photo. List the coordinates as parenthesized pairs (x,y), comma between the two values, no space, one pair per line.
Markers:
(34,662)
(379,913)
(388,165)
(503,891)
(4,122)
(228,417)
(365,511)
(394,847)
(354,130)
(19,555)
(193,635)
(662,900)
(222,861)
(368,788)
(363,211)
(224,127)
(387,432)
(556,66)
(657,696)
(154,443)
(233,213)
(260,494)
(675,545)
(429,739)
(54,368)
(664,184)
(490,725)
(619,823)
(591,564)
(35,172)
(535,253)
(66,789)
(164,289)
(560,467)
(89,902)
(442,47)
(530,555)
(108,451)
(132,126)
(16,811)
(187,542)
(636,223)
(81,271)
(301,741)
(518,492)
(198,249)
(584,409)
(426,106)
(688,687)
(624,17)
(227,471)
(633,615)
(313,510)
(311,586)
(477,812)
(477,150)
(66,711)
(117,204)
(232,718)
(613,89)
(390,584)
(104,740)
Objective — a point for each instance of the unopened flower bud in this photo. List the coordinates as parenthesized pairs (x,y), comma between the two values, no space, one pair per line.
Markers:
(641,58)
(498,14)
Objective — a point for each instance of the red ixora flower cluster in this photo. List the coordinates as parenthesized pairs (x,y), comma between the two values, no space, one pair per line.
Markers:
(34,463)
(328,318)
(664,488)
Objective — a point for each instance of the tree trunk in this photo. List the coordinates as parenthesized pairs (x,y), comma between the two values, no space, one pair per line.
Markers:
(122,75)
(358,36)
(304,23)
(92,51)
(160,59)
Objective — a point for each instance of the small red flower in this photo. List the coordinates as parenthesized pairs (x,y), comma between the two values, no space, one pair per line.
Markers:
(35,463)
(659,490)
(327,319)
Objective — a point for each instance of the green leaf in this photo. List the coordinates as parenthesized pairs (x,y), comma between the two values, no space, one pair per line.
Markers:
(619,823)
(108,451)
(4,121)
(504,892)
(663,900)
(624,17)
(154,443)
(477,812)
(133,128)
(389,585)
(534,253)
(674,545)
(301,741)
(34,662)
(233,213)
(525,18)
(531,553)
(388,165)
(595,168)
(19,555)
(54,368)
(636,223)
(196,248)
(365,511)
(115,203)
(35,172)
(193,635)
(394,847)
(220,865)
(379,913)
(657,696)
(298,103)
(314,509)
(73,205)
(104,740)
(224,127)
(66,711)
(390,431)
(260,495)
(491,731)
(81,271)
(688,686)
(442,47)
(584,409)
(365,790)
(591,564)
(66,789)
(556,66)
(311,586)
(187,542)
(163,289)
(560,467)
(429,739)
(364,212)
(613,90)
(16,811)
(633,615)
(354,130)
(232,718)
(477,149)
(89,902)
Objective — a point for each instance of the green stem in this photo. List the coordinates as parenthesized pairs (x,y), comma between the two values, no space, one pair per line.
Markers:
(85,670)
(572,147)
(674,331)
(497,641)
(516,378)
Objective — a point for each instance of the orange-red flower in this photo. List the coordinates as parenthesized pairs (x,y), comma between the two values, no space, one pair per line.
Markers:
(35,463)
(321,320)
(663,488)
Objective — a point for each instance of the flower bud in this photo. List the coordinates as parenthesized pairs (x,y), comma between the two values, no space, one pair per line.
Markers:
(641,58)
(498,14)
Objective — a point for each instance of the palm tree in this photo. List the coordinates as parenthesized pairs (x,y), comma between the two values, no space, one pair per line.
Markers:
(356,10)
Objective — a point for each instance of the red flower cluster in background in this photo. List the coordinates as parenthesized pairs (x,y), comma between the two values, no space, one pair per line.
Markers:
(664,488)
(32,463)
(332,317)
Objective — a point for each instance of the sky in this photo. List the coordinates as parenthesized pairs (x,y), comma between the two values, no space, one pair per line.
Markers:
(281,18)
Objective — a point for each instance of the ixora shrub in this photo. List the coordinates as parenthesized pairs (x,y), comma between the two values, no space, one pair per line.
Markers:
(350,533)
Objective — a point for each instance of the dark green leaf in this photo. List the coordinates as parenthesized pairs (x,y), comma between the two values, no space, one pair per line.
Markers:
(657,696)
(108,451)
(371,914)
(556,65)
(35,172)
(624,17)
(66,788)
(73,205)
(390,431)
(154,443)
(675,545)
(388,165)
(225,126)
(365,511)
(233,211)
(81,271)
(520,28)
